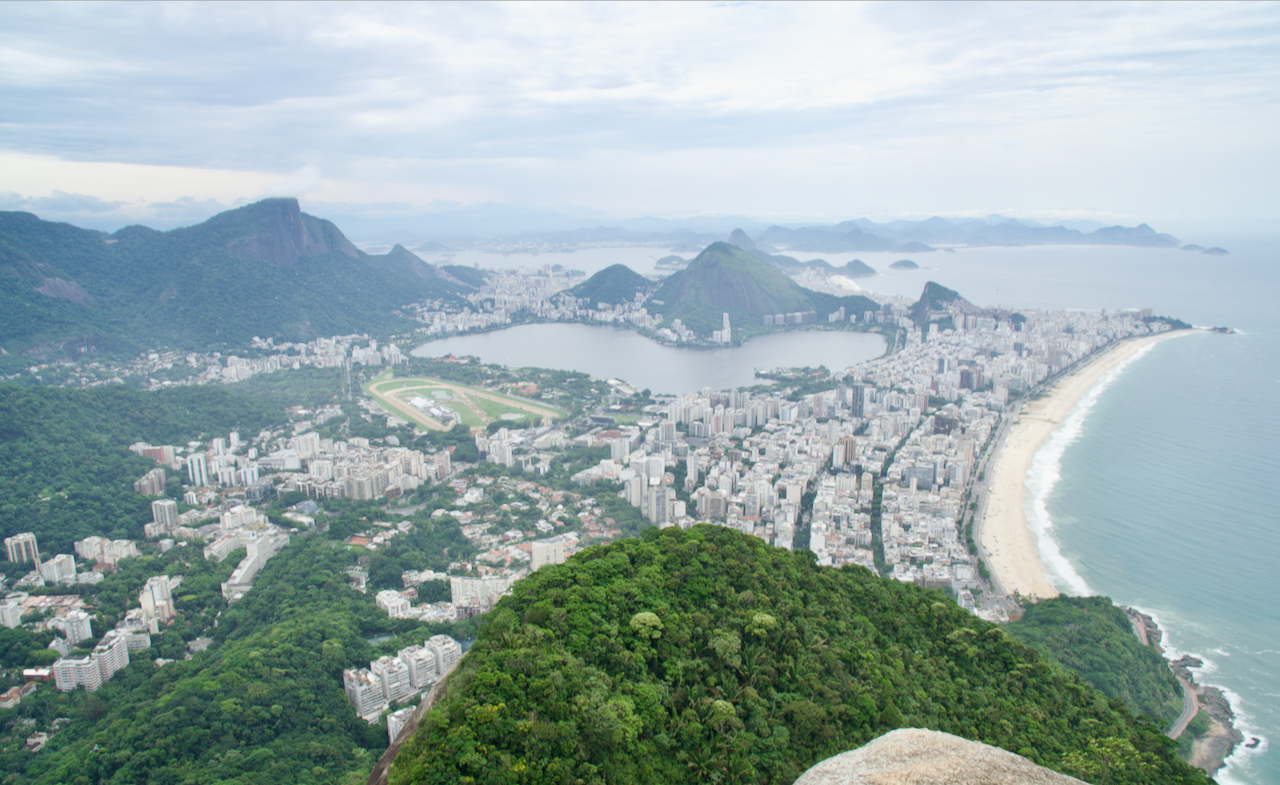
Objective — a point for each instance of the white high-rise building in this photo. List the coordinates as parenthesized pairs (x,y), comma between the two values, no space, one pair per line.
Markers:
(421,663)
(197,470)
(72,672)
(477,593)
(164,512)
(548,552)
(395,678)
(59,569)
(78,626)
(396,721)
(364,690)
(156,598)
(10,612)
(448,653)
(22,547)
(111,654)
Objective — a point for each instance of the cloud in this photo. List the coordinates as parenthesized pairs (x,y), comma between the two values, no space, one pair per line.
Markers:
(304,180)
(12,201)
(63,202)
(184,210)
(844,108)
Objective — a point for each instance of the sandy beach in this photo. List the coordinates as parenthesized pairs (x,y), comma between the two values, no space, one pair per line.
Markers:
(1010,544)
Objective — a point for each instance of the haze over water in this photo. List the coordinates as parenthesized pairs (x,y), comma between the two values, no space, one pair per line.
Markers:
(1161,495)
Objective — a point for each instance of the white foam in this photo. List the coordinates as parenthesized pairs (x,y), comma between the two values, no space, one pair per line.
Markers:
(1240,757)
(1045,471)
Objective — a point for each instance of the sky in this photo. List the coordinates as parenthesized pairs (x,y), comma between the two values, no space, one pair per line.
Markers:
(403,115)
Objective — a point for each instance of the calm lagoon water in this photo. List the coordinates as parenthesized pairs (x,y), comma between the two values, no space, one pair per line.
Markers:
(618,353)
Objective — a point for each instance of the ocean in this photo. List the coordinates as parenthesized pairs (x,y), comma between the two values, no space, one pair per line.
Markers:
(1160,489)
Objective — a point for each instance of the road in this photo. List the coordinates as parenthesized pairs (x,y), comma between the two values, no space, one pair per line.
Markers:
(1190,708)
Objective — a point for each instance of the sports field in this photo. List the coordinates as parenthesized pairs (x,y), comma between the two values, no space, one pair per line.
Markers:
(438,405)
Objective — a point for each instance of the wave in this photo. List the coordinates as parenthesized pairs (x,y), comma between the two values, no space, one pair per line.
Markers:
(1046,470)
(1240,757)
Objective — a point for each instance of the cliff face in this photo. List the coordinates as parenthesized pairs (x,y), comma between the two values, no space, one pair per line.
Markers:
(281,235)
(926,757)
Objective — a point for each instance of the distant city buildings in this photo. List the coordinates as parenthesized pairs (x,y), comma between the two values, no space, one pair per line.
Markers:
(390,680)
(22,548)
(156,599)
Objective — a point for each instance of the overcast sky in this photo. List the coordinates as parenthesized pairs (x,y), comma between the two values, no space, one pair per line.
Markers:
(167,113)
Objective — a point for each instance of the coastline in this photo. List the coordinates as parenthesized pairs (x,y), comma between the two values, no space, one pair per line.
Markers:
(1009,545)
(1209,750)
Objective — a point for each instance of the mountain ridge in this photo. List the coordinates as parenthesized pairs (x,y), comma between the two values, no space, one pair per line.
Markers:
(266,269)
(726,279)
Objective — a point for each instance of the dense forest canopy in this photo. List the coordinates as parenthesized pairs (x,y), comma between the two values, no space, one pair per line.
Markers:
(709,655)
(1093,637)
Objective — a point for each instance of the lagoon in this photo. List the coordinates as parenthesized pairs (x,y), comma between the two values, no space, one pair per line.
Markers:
(619,353)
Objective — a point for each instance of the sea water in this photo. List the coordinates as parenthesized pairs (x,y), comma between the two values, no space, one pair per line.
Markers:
(1160,490)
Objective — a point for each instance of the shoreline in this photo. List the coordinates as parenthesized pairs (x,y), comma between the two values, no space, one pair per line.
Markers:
(1211,750)
(1009,546)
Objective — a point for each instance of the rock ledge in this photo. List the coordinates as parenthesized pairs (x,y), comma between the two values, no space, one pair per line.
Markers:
(909,756)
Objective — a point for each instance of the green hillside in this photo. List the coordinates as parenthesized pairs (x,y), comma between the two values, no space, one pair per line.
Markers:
(265,269)
(1093,637)
(708,656)
(65,468)
(726,279)
(614,284)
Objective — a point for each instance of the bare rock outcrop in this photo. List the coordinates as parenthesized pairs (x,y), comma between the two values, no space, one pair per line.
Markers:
(909,756)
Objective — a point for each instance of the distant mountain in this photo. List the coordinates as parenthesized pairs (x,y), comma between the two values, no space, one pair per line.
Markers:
(614,284)
(827,239)
(937,297)
(765,252)
(265,269)
(919,236)
(855,268)
(726,279)
(1216,251)
(473,277)
(905,264)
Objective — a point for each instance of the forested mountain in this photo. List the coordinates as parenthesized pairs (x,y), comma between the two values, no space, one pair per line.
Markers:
(265,269)
(726,279)
(707,655)
(613,285)
(1093,637)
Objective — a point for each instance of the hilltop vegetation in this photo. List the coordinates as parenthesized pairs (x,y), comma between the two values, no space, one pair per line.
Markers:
(726,279)
(707,655)
(1094,638)
(265,269)
(614,284)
